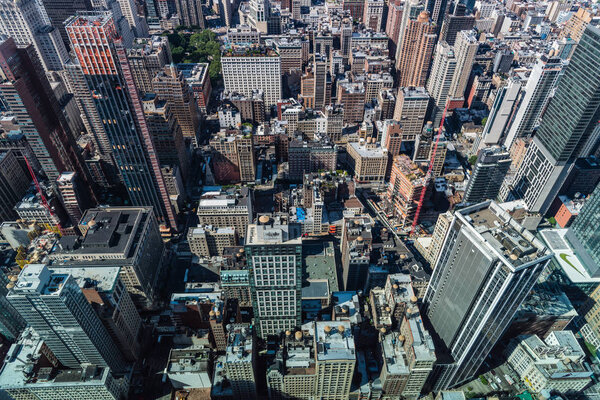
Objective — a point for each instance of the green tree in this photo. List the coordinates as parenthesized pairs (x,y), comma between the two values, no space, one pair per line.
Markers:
(484,121)
(177,54)
(473,159)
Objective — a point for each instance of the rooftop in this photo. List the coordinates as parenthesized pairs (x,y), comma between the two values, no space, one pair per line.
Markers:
(334,340)
(273,232)
(365,151)
(239,344)
(512,243)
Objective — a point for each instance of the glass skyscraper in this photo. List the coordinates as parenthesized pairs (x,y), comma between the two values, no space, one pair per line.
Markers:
(584,234)
(104,63)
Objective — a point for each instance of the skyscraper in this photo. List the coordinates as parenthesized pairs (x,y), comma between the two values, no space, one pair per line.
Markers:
(28,95)
(488,173)
(246,69)
(14,183)
(412,107)
(11,322)
(584,234)
(190,12)
(413,59)
(58,11)
(169,85)
(456,22)
(274,256)
(25,22)
(54,305)
(437,10)
(108,74)
(501,113)
(540,85)
(568,129)
(487,266)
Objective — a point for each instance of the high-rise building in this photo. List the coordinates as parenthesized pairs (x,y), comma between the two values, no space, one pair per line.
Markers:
(147,57)
(136,24)
(240,361)
(487,266)
(394,20)
(488,174)
(437,10)
(537,93)
(25,22)
(190,13)
(197,77)
(412,107)
(274,256)
(11,322)
(108,74)
(501,113)
(58,11)
(367,160)
(357,238)
(207,241)
(575,26)
(166,134)
(111,302)
(170,85)
(69,191)
(227,208)
(27,94)
(373,14)
(246,69)
(413,58)
(14,183)
(335,359)
(456,22)
(583,234)
(407,182)
(225,12)
(127,237)
(437,239)
(568,130)
(306,157)
(440,80)
(260,12)
(54,305)
(351,96)
(234,159)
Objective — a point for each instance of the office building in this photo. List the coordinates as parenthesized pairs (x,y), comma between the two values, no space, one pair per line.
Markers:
(567,130)
(306,157)
(11,322)
(170,85)
(190,13)
(505,103)
(274,255)
(487,266)
(335,359)
(575,26)
(290,51)
(455,22)
(26,23)
(437,238)
(357,238)
(487,176)
(207,241)
(413,59)
(31,353)
(127,237)
(197,77)
(107,72)
(368,160)
(240,361)
(556,363)
(438,10)
(31,208)
(373,14)
(14,183)
(27,94)
(58,11)
(584,232)
(223,208)
(54,305)
(412,107)
(394,20)
(166,134)
(147,57)
(537,93)
(106,293)
(407,183)
(233,157)
(351,96)
(188,367)
(70,195)
(246,69)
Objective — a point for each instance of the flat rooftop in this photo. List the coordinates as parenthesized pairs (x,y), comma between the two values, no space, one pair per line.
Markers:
(319,261)
(101,278)
(512,243)
(367,152)
(273,233)
(337,344)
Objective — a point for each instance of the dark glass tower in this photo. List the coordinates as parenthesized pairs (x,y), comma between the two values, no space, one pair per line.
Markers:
(104,63)
(584,234)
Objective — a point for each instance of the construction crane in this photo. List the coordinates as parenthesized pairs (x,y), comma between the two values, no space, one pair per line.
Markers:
(42,197)
(429,172)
